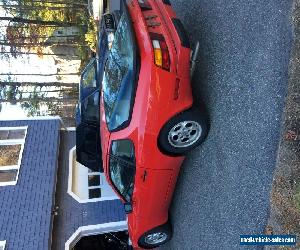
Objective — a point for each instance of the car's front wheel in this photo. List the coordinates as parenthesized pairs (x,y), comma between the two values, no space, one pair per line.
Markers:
(156,237)
(183,132)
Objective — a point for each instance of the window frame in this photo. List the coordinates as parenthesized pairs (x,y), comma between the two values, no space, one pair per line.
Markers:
(94,187)
(8,142)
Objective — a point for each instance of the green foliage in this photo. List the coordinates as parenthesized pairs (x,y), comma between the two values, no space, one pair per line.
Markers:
(36,35)
(90,38)
(84,55)
(65,13)
(33,105)
(91,34)
(11,94)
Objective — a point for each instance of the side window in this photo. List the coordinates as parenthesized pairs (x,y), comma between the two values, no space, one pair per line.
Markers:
(90,108)
(89,76)
(122,167)
(124,150)
(94,185)
(12,141)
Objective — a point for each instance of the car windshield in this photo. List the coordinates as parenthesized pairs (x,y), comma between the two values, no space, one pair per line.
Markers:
(119,77)
(122,167)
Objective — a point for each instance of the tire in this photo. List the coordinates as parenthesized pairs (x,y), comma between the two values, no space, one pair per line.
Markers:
(156,237)
(183,132)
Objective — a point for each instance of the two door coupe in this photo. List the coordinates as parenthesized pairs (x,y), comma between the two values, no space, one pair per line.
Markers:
(147,118)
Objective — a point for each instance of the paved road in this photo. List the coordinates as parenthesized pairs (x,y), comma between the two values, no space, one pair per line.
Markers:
(223,189)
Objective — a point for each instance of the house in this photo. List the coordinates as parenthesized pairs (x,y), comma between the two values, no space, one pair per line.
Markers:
(48,200)
(64,34)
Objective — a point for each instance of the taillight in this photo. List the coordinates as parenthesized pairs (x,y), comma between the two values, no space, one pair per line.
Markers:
(161,52)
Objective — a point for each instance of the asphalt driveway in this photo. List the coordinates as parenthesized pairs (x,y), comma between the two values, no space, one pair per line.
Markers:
(223,189)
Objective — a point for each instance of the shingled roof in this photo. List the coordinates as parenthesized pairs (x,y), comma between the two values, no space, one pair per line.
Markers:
(26,208)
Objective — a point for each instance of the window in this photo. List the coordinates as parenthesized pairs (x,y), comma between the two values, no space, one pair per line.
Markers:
(2,245)
(119,77)
(94,185)
(88,79)
(86,184)
(90,111)
(122,167)
(11,147)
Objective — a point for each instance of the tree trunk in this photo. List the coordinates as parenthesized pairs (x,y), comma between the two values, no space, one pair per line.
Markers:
(33,21)
(43,99)
(43,37)
(35,74)
(60,2)
(41,84)
(42,54)
(33,7)
(43,44)
(48,91)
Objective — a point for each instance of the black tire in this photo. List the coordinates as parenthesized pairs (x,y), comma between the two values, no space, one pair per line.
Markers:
(198,120)
(163,229)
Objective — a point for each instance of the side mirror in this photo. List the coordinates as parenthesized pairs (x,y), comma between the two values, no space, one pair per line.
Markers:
(128,208)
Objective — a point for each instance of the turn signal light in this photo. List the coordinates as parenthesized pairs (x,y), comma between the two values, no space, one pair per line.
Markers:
(161,52)
(157,53)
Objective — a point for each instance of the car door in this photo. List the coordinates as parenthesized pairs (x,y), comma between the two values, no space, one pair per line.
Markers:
(88,150)
(88,146)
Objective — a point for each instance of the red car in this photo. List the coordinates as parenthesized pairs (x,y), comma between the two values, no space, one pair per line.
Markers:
(147,118)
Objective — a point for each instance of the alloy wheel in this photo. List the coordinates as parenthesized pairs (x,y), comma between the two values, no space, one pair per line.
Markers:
(156,238)
(184,134)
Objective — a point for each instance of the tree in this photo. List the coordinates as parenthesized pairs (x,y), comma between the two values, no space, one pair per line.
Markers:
(36,21)
(38,74)
(49,2)
(39,84)
(40,54)
(18,7)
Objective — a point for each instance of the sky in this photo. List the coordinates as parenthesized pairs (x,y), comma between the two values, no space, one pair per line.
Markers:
(24,64)
(12,112)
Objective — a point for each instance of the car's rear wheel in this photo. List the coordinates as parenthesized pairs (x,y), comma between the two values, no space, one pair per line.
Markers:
(156,237)
(183,132)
